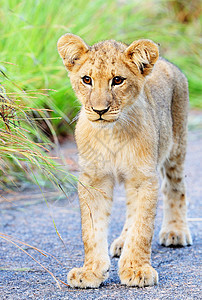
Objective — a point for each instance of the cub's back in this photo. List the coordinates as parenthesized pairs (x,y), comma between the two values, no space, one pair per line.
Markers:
(167,91)
(164,80)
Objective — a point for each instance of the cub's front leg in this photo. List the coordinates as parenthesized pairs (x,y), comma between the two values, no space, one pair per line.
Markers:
(134,265)
(95,196)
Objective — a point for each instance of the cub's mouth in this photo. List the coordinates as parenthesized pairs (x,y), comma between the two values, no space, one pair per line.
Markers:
(102,123)
(103,120)
(104,116)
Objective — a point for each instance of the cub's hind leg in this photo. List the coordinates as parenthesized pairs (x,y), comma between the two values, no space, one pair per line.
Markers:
(118,243)
(175,230)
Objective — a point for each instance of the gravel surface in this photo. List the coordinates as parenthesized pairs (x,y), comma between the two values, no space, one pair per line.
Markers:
(28,218)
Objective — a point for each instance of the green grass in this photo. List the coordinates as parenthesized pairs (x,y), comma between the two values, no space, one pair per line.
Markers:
(30,30)
(25,152)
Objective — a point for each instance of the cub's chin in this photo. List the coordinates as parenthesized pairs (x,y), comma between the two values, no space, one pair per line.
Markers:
(103,123)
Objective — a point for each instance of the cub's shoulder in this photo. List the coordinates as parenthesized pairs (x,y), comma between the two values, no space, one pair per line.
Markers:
(164,66)
(165,74)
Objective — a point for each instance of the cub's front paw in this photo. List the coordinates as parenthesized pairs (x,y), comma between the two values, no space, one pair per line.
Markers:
(116,247)
(86,277)
(138,275)
(173,235)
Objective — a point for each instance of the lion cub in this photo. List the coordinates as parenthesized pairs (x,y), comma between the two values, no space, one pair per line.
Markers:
(133,122)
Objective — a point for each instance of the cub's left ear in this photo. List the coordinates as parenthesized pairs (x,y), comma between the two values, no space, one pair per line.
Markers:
(144,54)
(72,49)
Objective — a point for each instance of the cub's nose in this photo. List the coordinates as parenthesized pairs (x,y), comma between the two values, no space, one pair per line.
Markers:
(100,112)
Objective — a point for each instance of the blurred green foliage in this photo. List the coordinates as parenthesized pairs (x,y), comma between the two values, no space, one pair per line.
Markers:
(26,154)
(30,30)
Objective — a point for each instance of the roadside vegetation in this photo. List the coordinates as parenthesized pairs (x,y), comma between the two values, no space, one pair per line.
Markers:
(25,151)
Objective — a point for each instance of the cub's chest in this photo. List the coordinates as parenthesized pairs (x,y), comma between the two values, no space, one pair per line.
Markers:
(112,151)
(111,142)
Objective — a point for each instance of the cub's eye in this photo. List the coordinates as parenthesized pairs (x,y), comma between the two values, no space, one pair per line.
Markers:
(117,80)
(87,80)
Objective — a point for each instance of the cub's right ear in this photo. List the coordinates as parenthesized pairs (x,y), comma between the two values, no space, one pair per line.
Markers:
(143,54)
(72,49)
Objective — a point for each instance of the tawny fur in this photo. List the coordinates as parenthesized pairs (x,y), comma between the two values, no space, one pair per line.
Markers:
(144,129)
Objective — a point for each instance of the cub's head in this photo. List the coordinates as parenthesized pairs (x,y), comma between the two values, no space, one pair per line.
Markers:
(107,77)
